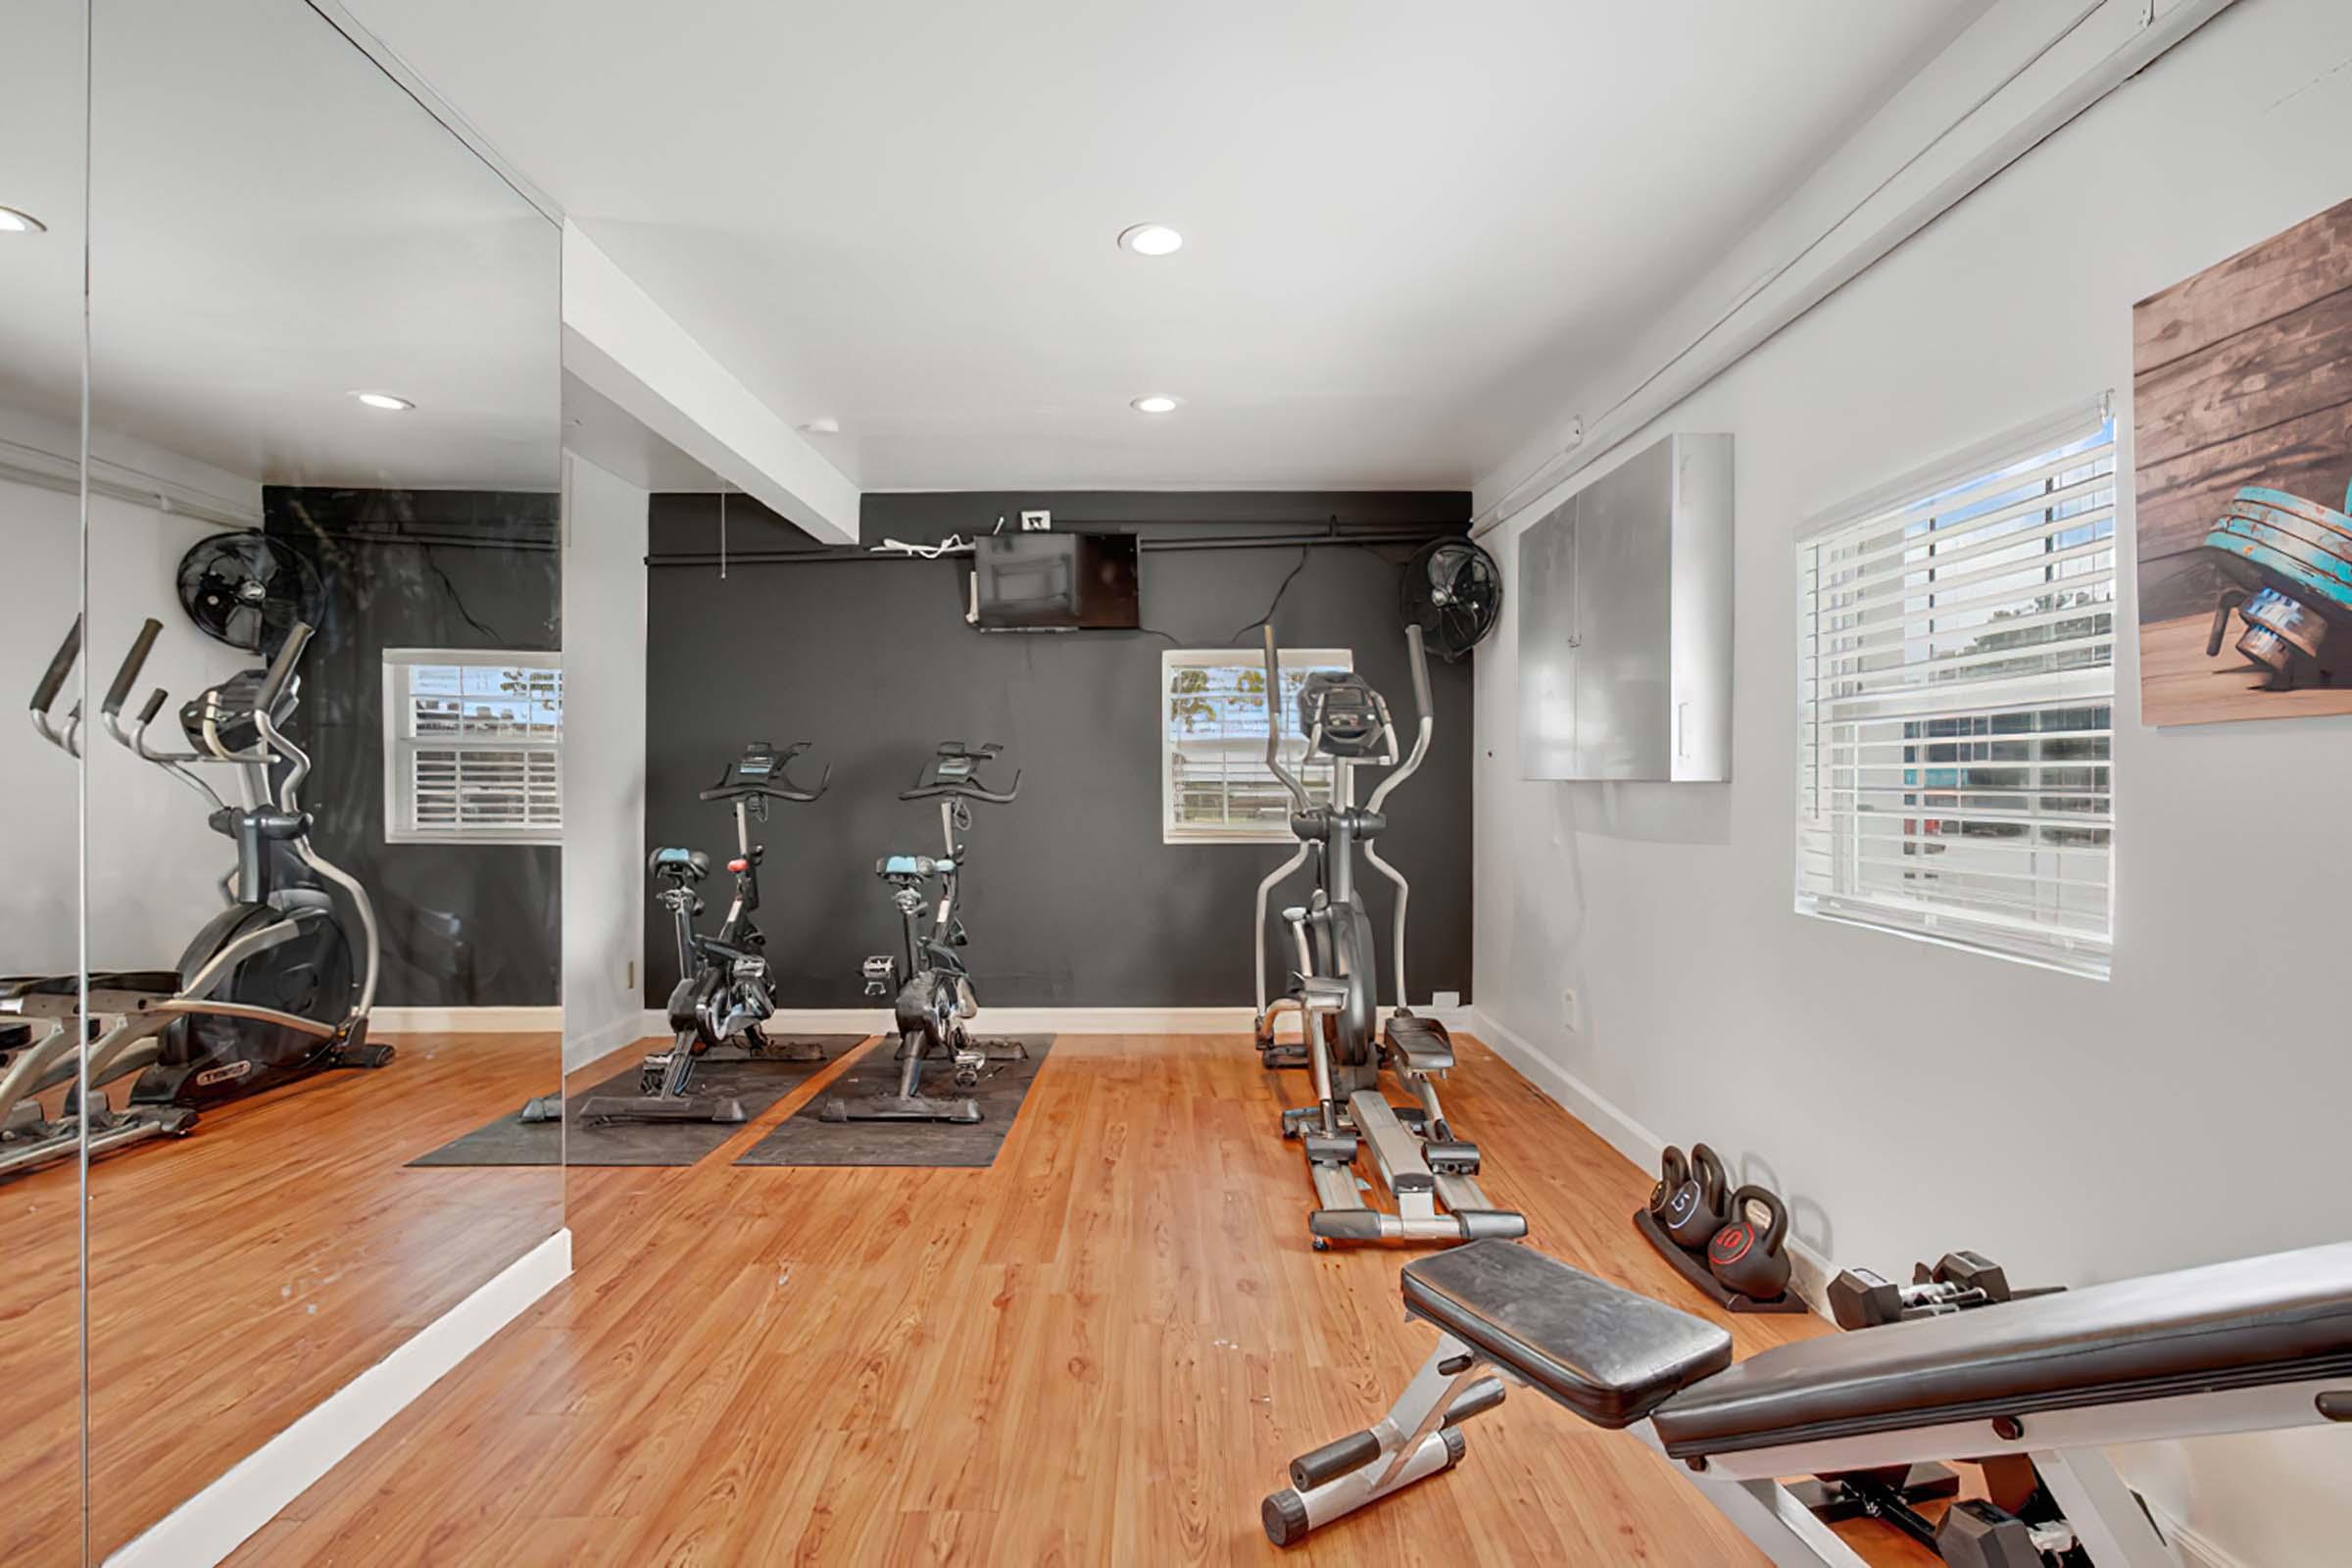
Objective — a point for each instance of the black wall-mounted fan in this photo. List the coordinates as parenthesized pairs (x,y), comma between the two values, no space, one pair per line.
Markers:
(1452,590)
(246,589)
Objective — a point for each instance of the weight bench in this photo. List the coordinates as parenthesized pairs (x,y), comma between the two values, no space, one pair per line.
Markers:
(2256,1345)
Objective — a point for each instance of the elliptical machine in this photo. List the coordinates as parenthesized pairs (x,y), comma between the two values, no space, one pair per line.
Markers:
(1421,1160)
(936,999)
(267,990)
(722,997)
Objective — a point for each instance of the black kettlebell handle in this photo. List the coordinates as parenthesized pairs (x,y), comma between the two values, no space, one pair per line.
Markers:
(1673,1171)
(1776,1230)
(1707,1168)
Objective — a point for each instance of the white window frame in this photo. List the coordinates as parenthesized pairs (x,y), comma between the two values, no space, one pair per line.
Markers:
(401,747)
(2019,936)
(1318,780)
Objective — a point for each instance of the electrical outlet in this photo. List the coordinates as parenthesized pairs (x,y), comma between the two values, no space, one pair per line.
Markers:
(1446,998)
(1036,521)
(630,983)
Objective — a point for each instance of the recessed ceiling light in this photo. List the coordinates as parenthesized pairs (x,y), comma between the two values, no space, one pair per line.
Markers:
(1151,239)
(384,400)
(1156,403)
(13,222)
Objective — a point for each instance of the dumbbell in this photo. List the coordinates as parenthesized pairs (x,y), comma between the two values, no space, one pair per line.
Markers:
(1744,1259)
(1694,1209)
(1860,1298)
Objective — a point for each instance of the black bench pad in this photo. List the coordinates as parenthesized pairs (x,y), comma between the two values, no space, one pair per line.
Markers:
(1605,1353)
(2257,1321)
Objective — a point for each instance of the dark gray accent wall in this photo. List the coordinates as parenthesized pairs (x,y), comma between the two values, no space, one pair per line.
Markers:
(1072,900)
(463,924)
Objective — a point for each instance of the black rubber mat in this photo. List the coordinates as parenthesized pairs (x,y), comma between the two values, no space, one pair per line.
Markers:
(512,1140)
(807,1139)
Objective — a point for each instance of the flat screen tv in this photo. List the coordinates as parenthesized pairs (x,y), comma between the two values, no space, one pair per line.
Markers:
(1055,582)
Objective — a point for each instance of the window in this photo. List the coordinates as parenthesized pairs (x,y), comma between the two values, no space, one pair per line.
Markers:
(473,747)
(1956,700)
(1214,782)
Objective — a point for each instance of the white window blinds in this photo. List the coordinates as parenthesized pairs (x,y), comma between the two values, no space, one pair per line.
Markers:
(472,746)
(1956,685)
(1214,782)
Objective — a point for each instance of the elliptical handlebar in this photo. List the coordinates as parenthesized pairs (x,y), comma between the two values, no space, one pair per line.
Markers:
(281,668)
(1422,731)
(53,681)
(1290,780)
(133,662)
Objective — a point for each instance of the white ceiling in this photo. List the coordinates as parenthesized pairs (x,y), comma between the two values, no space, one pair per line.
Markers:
(1406,225)
(274,225)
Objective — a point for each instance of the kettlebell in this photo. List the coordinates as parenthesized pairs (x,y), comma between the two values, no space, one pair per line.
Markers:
(1747,1259)
(1693,1210)
(1672,1169)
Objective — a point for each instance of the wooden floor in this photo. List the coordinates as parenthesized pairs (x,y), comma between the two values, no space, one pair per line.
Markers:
(1102,1350)
(240,1275)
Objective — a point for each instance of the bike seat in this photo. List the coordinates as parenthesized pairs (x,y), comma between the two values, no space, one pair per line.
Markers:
(912,865)
(679,865)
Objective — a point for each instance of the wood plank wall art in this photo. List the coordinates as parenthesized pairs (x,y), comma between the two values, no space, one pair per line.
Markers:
(2242,387)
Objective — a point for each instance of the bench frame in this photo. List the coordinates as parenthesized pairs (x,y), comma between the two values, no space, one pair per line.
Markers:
(1417,1439)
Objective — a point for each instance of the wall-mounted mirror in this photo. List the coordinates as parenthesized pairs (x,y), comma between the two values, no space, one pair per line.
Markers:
(324,787)
(41,660)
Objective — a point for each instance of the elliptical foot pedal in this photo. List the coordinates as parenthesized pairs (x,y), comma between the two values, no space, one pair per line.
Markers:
(1326,1148)
(1456,1158)
(544,1107)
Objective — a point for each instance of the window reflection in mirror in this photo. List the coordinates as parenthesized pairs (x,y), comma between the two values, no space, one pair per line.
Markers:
(323,343)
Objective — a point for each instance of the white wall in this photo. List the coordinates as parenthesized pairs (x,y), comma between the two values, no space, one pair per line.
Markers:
(603,760)
(1910,1098)
(154,866)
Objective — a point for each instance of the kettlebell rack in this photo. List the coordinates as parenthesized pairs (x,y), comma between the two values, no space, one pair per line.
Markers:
(1692,1213)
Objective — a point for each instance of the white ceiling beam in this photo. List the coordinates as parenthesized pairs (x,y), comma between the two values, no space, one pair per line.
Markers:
(2019,73)
(624,344)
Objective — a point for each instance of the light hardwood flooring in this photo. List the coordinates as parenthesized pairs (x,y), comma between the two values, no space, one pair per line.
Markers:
(1101,1350)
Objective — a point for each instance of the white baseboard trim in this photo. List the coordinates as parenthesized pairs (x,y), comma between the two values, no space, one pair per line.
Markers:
(466,1020)
(214,1522)
(1809,1271)
(2196,1549)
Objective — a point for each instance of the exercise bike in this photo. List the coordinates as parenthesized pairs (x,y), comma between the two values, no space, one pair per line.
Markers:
(936,999)
(722,997)
(1430,1170)
(268,991)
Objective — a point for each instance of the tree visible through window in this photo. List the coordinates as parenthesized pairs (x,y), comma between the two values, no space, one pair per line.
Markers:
(1956,684)
(1214,782)
(474,746)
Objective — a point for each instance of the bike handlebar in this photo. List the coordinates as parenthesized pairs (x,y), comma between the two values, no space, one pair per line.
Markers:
(969,789)
(53,680)
(133,662)
(777,786)
(155,705)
